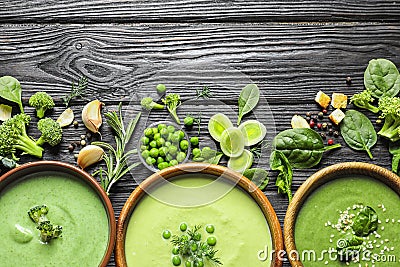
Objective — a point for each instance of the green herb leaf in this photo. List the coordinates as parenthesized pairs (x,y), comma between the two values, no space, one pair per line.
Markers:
(279,162)
(258,176)
(10,89)
(303,147)
(248,100)
(382,78)
(349,247)
(76,91)
(358,131)
(365,222)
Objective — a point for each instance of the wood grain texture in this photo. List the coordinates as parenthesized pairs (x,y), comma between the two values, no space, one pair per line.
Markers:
(124,11)
(289,61)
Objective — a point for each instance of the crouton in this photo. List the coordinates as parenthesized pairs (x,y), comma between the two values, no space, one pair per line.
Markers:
(336,116)
(339,100)
(322,99)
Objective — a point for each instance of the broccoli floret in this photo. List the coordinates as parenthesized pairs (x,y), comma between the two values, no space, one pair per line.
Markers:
(364,100)
(48,231)
(38,213)
(41,101)
(13,137)
(173,101)
(390,108)
(149,104)
(51,132)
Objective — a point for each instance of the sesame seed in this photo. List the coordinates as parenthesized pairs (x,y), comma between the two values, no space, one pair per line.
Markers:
(326,262)
(387,220)
(383,228)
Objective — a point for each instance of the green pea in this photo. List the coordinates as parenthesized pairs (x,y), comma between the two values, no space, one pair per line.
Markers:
(143,148)
(208,153)
(169,157)
(167,143)
(194,141)
(188,264)
(150,160)
(160,159)
(211,240)
(145,140)
(164,132)
(148,132)
(161,126)
(172,150)
(162,151)
(175,138)
(154,152)
(181,157)
(173,162)
(210,228)
(153,143)
(176,260)
(181,134)
(157,136)
(162,165)
(160,142)
(184,144)
(196,152)
(199,263)
(183,227)
(193,247)
(155,130)
(171,128)
(197,237)
(145,154)
(166,234)
(188,121)
(175,250)
(161,88)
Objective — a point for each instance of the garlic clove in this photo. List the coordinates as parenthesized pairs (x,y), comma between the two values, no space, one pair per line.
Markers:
(66,118)
(89,155)
(91,115)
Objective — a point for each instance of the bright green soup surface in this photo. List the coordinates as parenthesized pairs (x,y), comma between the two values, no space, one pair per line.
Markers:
(72,204)
(240,226)
(316,233)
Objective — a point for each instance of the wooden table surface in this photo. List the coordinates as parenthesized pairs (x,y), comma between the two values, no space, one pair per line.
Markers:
(291,49)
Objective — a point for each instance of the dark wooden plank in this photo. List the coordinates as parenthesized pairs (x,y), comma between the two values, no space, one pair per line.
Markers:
(123,11)
(286,60)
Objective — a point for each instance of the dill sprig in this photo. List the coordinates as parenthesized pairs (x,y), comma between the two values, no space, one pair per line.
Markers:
(257,150)
(117,158)
(189,246)
(76,91)
(205,92)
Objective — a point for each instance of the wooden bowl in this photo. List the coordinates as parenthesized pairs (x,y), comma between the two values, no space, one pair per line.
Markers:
(203,168)
(60,167)
(321,177)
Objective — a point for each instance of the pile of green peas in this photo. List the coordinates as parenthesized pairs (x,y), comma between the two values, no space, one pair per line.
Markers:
(163,146)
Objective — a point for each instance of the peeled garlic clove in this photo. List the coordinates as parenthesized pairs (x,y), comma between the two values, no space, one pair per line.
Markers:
(89,155)
(299,122)
(91,115)
(66,118)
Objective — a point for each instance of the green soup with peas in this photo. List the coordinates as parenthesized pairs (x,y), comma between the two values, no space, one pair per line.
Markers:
(231,222)
(72,204)
(331,218)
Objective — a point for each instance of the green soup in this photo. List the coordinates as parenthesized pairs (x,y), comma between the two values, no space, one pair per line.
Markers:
(316,229)
(72,204)
(242,233)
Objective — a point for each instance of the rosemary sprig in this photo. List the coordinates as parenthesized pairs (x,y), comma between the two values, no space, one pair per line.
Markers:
(76,91)
(204,93)
(189,246)
(117,158)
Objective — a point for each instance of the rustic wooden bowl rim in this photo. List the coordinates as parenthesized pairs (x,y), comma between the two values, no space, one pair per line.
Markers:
(45,165)
(189,168)
(321,177)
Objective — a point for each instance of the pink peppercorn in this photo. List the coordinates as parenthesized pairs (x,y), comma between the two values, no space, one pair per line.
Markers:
(330,142)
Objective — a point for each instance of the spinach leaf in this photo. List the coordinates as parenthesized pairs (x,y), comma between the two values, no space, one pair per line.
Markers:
(279,162)
(394,149)
(365,222)
(303,147)
(349,247)
(248,100)
(358,131)
(382,78)
(10,89)
(258,176)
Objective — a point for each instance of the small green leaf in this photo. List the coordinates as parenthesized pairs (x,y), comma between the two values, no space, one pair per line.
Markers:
(248,100)
(365,222)
(10,89)
(382,78)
